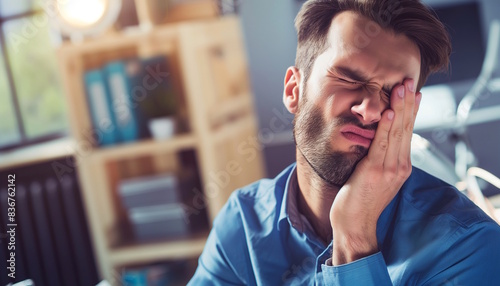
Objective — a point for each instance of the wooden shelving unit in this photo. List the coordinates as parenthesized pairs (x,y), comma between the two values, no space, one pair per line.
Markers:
(145,147)
(156,251)
(216,102)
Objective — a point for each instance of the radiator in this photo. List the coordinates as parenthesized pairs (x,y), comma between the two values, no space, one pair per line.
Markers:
(52,244)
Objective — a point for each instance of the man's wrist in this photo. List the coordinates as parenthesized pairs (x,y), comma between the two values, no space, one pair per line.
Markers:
(348,248)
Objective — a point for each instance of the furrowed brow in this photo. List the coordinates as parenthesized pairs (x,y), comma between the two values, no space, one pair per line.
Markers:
(351,74)
(358,76)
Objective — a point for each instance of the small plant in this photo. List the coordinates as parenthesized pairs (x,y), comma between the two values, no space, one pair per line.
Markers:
(160,102)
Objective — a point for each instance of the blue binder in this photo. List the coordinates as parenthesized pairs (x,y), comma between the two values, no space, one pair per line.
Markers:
(122,104)
(100,108)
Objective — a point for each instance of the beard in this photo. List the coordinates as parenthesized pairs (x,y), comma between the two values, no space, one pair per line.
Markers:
(313,138)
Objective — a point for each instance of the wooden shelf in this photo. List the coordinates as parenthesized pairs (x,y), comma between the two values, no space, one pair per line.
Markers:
(119,40)
(145,147)
(235,127)
(236,106)
(144,253)
(209,66)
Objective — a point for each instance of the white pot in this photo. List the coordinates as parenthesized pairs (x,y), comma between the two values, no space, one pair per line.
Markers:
(162,128)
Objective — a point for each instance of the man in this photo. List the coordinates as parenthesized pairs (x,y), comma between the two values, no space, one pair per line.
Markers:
(352,211)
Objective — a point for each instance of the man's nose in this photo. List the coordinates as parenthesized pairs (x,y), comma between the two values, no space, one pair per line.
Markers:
(368,109)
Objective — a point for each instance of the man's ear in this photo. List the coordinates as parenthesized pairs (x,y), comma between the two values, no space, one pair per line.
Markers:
(292,89)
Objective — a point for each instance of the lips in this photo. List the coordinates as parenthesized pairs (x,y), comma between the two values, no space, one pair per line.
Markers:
(358,135)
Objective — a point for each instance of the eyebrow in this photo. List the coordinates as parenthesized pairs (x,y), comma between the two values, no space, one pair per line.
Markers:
(359,76)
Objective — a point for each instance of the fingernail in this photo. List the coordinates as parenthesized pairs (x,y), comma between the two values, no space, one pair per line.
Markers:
(390,114)
(411,86)
(401,91)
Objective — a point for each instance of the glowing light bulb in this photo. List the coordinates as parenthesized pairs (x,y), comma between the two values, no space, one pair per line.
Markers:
(82,13)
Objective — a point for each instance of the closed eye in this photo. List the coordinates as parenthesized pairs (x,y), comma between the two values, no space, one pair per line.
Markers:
(386,95)
(383,93)
(348,81)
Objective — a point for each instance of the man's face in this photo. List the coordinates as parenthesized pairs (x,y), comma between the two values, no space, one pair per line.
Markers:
(347,91)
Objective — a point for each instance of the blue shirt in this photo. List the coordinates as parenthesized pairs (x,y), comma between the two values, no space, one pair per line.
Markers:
(430,234)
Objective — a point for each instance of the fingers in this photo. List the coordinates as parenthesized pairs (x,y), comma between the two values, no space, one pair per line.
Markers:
(396,134)
(392,143)
(408,122)
(418,98)
(380,143)
(406,143)
(387,142)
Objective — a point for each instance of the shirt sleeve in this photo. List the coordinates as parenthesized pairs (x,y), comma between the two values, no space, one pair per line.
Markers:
(370,270)
(473,258)
(219,263)
(213,268)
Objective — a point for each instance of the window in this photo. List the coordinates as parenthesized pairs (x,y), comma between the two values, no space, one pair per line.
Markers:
(31,97)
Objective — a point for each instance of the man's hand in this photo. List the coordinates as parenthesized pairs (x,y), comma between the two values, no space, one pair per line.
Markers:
(376,179)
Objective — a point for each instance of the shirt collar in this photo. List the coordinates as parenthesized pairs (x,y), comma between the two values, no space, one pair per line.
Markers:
(289,210)
(284,204)
(289,207)
(292,210)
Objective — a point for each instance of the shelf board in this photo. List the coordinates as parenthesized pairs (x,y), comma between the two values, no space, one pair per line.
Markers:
(228,108)
(144,253)
(132,38)
(238,125)
(145,147)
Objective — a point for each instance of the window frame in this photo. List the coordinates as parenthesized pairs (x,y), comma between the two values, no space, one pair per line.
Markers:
(24,140)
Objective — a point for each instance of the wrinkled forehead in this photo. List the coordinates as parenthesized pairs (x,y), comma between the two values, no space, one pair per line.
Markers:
(355,38)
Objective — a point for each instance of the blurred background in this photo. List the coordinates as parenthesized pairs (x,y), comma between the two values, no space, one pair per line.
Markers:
(126,124)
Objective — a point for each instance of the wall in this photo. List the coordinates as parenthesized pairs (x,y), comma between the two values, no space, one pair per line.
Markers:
(271,43)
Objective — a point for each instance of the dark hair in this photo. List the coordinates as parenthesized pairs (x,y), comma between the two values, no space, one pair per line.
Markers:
(408,17)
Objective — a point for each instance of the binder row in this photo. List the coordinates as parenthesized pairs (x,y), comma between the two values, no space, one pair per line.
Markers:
(124,95)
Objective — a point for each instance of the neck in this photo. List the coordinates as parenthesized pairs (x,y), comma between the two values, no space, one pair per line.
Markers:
(315,198)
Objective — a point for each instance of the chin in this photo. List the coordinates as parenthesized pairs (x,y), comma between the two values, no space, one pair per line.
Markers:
(353,151)
(358,150)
